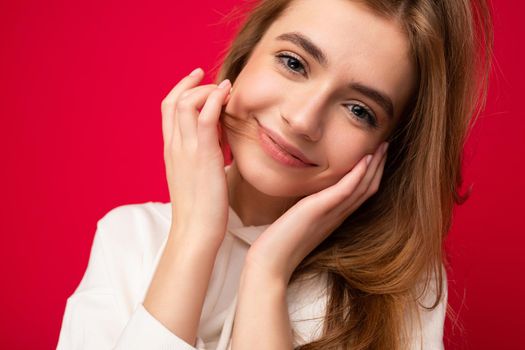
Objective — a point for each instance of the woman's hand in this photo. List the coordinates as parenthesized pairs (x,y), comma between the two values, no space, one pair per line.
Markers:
(199,197)
(194,159)
(284,244)
(277,252)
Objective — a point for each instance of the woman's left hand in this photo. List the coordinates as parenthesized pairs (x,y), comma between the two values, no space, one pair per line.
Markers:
(284,244)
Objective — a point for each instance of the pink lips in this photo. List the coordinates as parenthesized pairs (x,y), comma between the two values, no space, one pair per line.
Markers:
(282,151)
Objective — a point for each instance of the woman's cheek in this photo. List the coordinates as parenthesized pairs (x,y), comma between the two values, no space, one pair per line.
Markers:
(258,89)
(347,146)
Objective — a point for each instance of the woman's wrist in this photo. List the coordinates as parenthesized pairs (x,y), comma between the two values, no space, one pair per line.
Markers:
(252,273)
(268,315)
(195,241)
(178,288)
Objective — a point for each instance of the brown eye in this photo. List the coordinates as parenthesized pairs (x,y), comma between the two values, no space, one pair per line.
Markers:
(358,110)
(294,64)
(291,63)
(362,114)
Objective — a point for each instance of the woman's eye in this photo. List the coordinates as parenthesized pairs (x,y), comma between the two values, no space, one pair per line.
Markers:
(291,63)
(363,114)
(359,112)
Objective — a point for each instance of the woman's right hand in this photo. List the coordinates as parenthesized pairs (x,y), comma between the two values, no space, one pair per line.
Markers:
(199,199)
(194,160)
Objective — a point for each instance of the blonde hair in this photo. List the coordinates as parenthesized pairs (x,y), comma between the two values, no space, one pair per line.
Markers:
(389,252)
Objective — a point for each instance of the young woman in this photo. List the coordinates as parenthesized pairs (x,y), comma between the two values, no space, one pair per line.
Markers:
(312,237)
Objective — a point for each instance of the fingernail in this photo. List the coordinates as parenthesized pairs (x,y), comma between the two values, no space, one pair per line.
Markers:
(368,159)
(196,71)
(385,146)
(224,83)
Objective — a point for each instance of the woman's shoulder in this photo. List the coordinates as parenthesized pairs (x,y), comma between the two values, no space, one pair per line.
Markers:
(152,212)
(431,292)
(426,325)
(307,300)
(125,247)
(137,226)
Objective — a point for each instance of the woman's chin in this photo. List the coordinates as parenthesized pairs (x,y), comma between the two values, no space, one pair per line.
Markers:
(272,181)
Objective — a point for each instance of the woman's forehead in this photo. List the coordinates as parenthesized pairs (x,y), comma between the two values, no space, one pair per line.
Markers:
(343,28)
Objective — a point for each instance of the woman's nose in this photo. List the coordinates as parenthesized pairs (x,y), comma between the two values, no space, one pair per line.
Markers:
(305,119)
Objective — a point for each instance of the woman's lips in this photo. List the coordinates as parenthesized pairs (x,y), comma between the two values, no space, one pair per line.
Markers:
(281,153)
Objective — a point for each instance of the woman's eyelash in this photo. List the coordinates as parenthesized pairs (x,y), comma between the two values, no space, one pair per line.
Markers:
(281,59)
(370,119)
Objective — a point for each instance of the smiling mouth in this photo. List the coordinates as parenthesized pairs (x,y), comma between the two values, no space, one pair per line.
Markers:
(276,152)
(282,147)
(276,144)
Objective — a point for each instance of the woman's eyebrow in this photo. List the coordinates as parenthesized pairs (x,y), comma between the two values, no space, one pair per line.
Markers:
(303,41)
(317,53)
(380,98)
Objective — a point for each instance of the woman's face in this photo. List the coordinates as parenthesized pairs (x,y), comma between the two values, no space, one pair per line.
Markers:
(330,78)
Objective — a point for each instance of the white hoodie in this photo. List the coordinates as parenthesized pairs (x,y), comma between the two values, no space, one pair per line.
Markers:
(106,312)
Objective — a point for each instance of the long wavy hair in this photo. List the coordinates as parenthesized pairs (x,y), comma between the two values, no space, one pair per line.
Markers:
(386,257)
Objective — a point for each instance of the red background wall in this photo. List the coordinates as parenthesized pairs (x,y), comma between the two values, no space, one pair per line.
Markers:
(80,92)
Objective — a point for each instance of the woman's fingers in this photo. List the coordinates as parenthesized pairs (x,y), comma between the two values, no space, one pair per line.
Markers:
(373,185)
(187,112)
(207,133)
(331,198)
(364,185)
(341,198)
(169,122)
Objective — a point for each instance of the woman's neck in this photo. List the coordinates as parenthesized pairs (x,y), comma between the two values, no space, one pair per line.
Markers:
(253,207)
